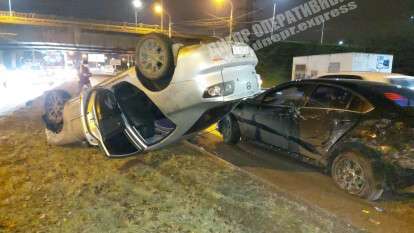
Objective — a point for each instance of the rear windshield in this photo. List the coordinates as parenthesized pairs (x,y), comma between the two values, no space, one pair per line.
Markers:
(403,82)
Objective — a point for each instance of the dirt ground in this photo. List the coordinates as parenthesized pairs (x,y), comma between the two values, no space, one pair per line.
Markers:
(178,189)
(394,213)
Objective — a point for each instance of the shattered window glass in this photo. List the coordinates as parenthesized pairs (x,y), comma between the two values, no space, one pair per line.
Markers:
(329,97)
(287,97)
(359,105)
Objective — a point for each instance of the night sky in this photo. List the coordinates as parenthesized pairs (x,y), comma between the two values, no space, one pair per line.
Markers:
(371,17)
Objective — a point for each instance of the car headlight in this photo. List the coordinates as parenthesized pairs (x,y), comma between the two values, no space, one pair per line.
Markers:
(222,89)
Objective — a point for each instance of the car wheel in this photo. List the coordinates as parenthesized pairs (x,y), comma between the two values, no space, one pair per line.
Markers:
(155,61)
(54,105)
(354,173)
(229,129)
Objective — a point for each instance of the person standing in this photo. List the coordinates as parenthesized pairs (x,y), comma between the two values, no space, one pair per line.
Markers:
(84,76)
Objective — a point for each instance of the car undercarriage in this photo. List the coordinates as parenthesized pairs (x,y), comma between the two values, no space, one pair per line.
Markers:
(158,102)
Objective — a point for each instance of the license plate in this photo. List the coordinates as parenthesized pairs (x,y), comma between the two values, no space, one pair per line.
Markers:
(241,50)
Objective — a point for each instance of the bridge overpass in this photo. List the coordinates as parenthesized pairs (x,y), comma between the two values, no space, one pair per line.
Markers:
(48,31)
(21,32)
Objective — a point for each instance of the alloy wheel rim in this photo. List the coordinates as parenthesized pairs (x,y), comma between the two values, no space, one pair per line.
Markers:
(54,108)
(152,57)
(350,176)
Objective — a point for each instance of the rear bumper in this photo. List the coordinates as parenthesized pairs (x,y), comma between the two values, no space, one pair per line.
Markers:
(211,116)
(246,81)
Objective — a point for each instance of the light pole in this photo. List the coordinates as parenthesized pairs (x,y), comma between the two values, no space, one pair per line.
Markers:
(323,32)
(137,5)
(162,16)
(169,25)
(274,17)
(10,8)
(231,15)
(161,11)
(159,8)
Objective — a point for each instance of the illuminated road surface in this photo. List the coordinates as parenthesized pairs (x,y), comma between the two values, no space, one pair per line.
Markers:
(19,87)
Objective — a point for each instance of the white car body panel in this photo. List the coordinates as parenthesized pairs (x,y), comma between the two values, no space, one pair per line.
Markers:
(182,102)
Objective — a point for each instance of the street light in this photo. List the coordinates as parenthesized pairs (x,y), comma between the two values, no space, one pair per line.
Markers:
(231,14)
(341,42)
(137,5)
(158,8)
(323,32)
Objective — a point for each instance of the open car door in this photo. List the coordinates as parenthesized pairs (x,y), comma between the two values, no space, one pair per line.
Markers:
(107,124)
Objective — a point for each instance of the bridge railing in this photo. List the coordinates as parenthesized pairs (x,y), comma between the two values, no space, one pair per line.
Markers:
(75,20)
(34,19)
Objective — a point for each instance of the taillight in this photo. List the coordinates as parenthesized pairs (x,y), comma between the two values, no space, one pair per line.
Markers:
(397,98)
(394,96)
(222,89)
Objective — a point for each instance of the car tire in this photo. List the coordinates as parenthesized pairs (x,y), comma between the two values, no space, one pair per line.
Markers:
(53,108)
(155,61)
(230,130)
(355,173)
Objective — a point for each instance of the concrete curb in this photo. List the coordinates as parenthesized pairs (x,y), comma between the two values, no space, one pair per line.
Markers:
(234,167)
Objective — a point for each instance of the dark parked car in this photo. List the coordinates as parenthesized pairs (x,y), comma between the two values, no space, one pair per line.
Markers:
(361,132)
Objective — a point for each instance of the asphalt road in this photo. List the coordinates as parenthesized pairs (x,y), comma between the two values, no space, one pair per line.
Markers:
(393,214)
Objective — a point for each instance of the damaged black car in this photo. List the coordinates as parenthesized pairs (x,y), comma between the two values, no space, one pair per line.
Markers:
(361,132)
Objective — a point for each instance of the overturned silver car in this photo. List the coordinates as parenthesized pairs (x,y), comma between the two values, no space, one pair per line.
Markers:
(172,93)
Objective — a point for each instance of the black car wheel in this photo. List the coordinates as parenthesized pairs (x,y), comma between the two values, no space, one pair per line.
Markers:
(155,61)
(230,130)
(354,173)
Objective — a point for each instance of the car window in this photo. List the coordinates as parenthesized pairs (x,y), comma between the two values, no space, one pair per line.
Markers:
(359,105)
(294,95)
(329,97)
